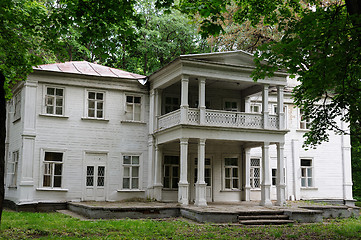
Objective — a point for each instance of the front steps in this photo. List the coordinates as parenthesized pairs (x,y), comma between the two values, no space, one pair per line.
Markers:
(264,218)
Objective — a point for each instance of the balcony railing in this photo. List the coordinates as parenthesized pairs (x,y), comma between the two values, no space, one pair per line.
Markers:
(218,118)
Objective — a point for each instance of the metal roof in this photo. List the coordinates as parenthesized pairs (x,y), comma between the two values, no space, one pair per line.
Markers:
(87,68)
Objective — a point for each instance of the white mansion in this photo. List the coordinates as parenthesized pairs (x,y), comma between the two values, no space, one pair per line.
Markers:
(198,130)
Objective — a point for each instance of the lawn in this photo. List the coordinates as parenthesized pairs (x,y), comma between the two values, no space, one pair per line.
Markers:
(23,225)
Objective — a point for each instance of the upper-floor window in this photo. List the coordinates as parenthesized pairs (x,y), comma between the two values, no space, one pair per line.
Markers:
(95,104)
(133,108)
(17,106)
(255,108)
(13,169)
(54,101)
(306,173)
(255,173)
(231,105)
(304,122)
(130,172)
(231,176)
(52,169)
(171,104)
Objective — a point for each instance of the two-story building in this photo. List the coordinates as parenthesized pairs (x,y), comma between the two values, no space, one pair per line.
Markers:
(198,130)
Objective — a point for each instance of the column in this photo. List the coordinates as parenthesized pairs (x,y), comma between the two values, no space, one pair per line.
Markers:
(202,100)
(266,177)
(280,181)
(184,99)
(296,170)
(265,106)
(183,182)
(280,112)
(247,104)
(247,186)
(346,167)
(158,186)
(152,115)
(201,184)
(157,107)
(151,165)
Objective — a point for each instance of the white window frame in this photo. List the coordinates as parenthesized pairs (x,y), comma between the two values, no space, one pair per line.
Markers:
(171,177)
(52,169)
(131,166)
(87,91)
(252,175)
(232,109)
(231,176)
(17,106)
(133,105)
(303,124)
(252,107)
(45,99)
(307,170)
(13,165)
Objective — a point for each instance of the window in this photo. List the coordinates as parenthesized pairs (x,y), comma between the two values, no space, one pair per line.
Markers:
(208,104)
(53,168)
(255,174)
(255,108)
(231,177)
(207,171)
(95,101)
(130,172)
(13,169)
(274,176)
(171,104)
(17,106)
(306,173)
(171,172)
(133,108)
(304,122)
(230,105)
(54,101)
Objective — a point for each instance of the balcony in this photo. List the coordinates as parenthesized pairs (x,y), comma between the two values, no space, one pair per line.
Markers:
(218,118)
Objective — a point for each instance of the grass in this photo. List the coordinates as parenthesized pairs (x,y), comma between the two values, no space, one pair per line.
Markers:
(21,225)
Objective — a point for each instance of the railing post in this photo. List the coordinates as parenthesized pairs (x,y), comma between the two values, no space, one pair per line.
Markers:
(280,112)
(184,99)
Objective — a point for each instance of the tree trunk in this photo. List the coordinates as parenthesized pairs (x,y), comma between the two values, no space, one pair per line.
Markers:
(2,140)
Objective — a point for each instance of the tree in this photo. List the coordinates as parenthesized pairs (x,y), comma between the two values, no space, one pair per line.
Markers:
(320,44)
(33,31)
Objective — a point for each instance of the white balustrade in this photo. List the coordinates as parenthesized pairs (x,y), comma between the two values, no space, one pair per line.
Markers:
(218,118)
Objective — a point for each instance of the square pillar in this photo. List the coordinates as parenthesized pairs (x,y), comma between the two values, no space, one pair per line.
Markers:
(158,186)
(280,181)
(265,111)
(201,184)
(157,107)
(150,166)
(280,112)
(183,184)
(266,177)
(202,100)
(247,167)
(184,99)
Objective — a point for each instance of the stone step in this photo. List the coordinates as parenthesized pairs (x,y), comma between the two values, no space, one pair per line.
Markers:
(258,213)
(266,222)
(260,217)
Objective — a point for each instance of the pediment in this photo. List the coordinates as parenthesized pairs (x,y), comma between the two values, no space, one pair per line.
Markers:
(237,58)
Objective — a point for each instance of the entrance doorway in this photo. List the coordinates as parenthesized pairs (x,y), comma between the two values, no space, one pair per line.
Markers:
(94,177)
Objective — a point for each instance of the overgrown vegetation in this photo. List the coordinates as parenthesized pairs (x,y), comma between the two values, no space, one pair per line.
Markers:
(20,225)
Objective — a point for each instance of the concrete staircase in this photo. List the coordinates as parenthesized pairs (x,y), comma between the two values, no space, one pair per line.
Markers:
(263,218)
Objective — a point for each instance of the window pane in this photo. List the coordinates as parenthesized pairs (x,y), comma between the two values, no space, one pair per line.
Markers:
(208,181)
(53,156)
(58,168)
(50,91)
(126,183)
(57,181)
(59,110)
(135,160)
(175,171)
(49,110)
(255,162)
(49,101)
(228,172)
(235,183)
(91,104)
(126,159)
(207,173)
(101,171)
(228,183)
(166,182)
(207,162)
(100,96)
(168,100)
(175,182)
(306,162)
(235,172)
(303,182)
(126,172)
(135,183)
(46,181)
(91,113)
(303,172)
(91,95)
(99,114)
(309,182)
(136,99)
(99,105)
(129,99)
(59,92)
(256,172)
(89,181)
(231,161)
(135,172)
(100,181)
(274,171)
(90,170)
(166,171)
(175,101)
